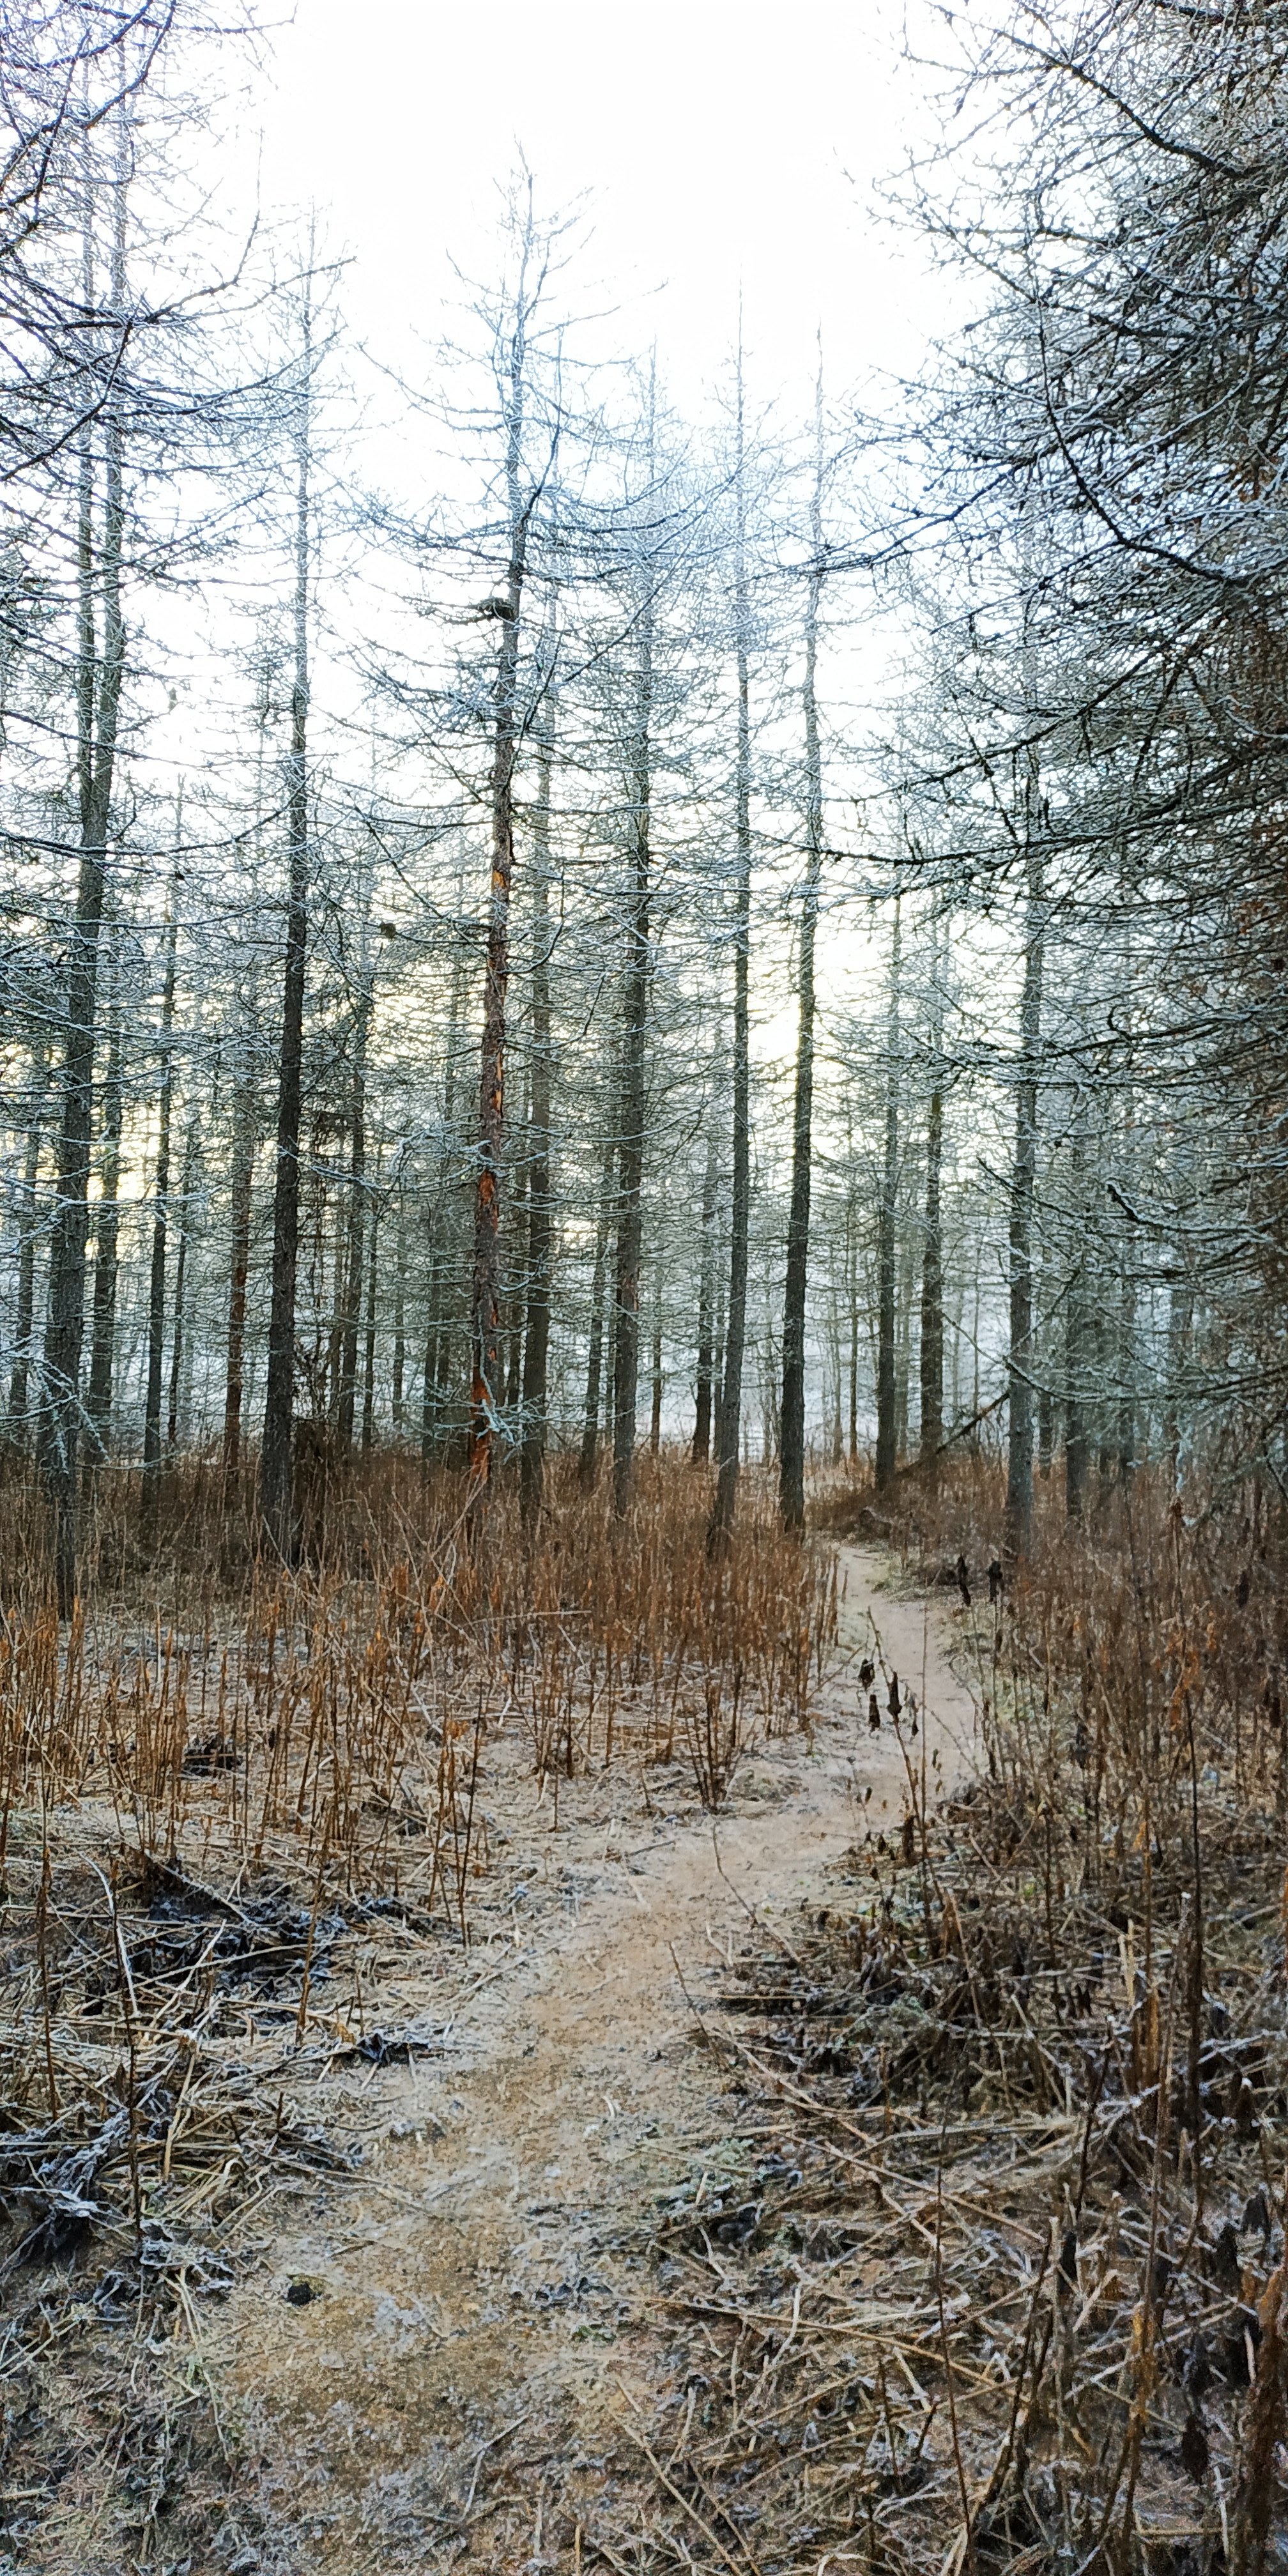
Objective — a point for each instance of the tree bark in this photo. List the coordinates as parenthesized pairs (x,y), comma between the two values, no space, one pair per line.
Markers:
(536,1346)
(179,1347)
(276,1481)
(27,1215)
(107,1234)
(932,1293)
(160,1228)
(587,1460)
(706,1292)
(437,1325)
(355,1246)
(630,1136)
(368,1432)
(1019,1455)
(791,1474)
(722,1511)
(243,1174)
(400,1313)
(655,1410)
(100,673)
(486,1389)
(887,1458)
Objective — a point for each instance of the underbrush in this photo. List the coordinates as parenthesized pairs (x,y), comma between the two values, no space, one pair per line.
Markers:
(997,2280)
(216,1781)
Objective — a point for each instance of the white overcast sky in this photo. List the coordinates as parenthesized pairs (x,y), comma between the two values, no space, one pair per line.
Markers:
(720,147)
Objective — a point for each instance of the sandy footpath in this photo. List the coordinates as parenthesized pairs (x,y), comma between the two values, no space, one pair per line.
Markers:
(473,2296)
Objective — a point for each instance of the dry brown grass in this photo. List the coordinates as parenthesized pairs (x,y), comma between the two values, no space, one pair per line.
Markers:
(996,2280)
(213,1781)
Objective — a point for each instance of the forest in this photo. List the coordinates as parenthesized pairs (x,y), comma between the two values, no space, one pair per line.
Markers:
(643,1378)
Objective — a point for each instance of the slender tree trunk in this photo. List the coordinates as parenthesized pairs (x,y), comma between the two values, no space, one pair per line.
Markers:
(485,1394)
(717,1385)
(243,1175)
(726,1495)
(179,1351)
(1019,1459)
(630,1140)
(932,1294)
(276,1481)
(536,1346)
(887,1237)
(791,1473)
(400,1314)
(517,1280)
(100,674)
(160,1227)
(438,1338)
(595,1341)
(974,1398)
(369,1351)
(1127,1427)
(107,1233)
(852,1289)
(27,1220)
(838,1446)
(706,1290)
(244,1142)
(903,1339)
(655,1411)
(355,1245)
(435,1337)
(339,1287)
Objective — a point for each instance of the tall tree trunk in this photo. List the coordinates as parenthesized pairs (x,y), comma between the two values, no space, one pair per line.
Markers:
(245,1138)
(276,1481)
(369,1352)
(852,1286)
(595,1340)
(838,1445)
(536,1346)
(932,1292)
(887,1235)
(726,1495)
(1019,1455)
(27,1214)
(516,1266)
(791,1471)
(400,1313)
(1045,1371)
(707,1289)
(160,1227)
(903,1339)
(179,1349)
(242,1196)
(1127,1427)
(438,1337)
(486,1389)
(355,1244)
(655,1410)
(100,672)
(975,1354)
(630,1139)
(107,1234)
(718,1352)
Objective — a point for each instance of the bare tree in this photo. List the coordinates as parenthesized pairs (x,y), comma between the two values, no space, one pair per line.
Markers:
(791,1479)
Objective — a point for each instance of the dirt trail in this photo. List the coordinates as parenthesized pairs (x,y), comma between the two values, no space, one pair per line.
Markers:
(478,2286)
